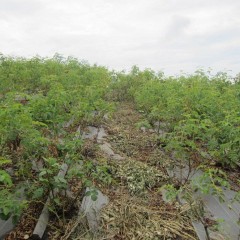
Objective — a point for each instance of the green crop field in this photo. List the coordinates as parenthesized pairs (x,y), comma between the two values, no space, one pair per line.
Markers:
(197,121)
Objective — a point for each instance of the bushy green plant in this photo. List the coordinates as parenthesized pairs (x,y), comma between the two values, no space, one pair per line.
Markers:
(201,112)
(38,96)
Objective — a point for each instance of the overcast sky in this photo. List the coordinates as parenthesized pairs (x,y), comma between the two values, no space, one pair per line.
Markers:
(168,35)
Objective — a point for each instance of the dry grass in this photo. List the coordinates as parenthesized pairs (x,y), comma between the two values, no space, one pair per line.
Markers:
(133,218)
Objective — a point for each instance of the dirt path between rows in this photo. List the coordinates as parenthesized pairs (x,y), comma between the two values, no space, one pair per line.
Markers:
(137,209)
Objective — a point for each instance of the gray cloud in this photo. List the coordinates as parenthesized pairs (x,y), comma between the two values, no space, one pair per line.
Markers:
(15,9)
(170,35)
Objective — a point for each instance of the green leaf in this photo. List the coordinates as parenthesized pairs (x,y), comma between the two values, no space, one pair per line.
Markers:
(43,172)
(5,178)
(88,183)
(40,124)
(94,197)
(4,161)
(57,201)
(88,193)
(38,193)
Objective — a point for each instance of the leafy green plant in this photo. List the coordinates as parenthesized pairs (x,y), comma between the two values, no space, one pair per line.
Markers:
(38,96)
(11,205)
(171,192)
(49,178)
(93,193)
(5,178)
(211,182)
